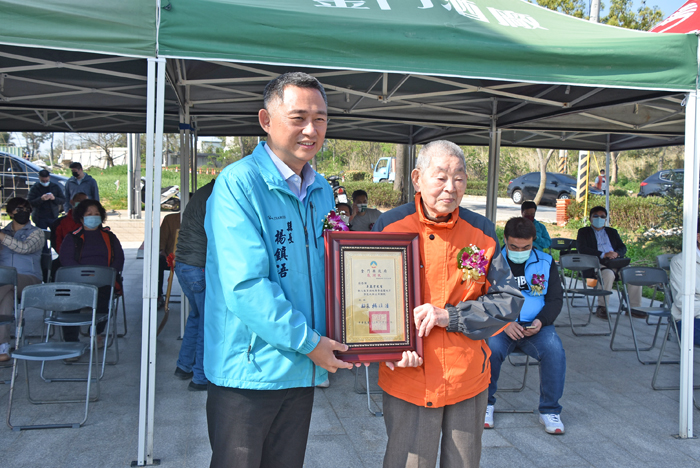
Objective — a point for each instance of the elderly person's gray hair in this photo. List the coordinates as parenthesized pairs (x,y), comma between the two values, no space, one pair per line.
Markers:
(438,148)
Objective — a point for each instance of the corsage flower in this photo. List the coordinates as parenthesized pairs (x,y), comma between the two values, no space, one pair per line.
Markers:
(332,222)
(472,261)
(537,284)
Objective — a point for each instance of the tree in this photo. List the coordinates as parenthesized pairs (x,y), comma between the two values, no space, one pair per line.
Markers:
(543,173)
(6,138)
(621,14)
(33,141)
(399,170)
(575,8)
(106,142)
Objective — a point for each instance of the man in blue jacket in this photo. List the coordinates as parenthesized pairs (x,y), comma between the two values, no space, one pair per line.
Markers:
(264,326)
(533,332)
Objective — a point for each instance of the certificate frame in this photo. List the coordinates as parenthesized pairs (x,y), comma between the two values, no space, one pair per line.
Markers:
(344,247)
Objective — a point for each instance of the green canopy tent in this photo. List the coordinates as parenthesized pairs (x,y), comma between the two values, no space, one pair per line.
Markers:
(477,72)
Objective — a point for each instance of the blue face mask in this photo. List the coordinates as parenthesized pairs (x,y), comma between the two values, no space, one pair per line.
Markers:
(519,257)
(598,222)
(91,222)
(45,184)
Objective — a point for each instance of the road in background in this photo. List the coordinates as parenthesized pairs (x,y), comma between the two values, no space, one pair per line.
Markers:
(507,209)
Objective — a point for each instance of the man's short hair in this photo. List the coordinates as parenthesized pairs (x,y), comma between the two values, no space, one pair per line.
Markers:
(520,228)
(438,148)
(345,205)
(16,202)
(44,173)
(602,170)
(275,88)
(76,165)
(359,193)
(596,209)
(528,205)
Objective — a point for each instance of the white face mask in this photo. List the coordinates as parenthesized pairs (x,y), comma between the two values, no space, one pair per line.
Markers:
(45,184)
(345,218)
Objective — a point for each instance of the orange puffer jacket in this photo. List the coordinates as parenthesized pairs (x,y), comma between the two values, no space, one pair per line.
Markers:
(455,359)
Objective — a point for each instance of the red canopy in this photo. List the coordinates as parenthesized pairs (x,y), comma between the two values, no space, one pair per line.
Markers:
(685,20)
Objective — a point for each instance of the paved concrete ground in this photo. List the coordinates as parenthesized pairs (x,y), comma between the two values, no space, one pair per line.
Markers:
(612,416)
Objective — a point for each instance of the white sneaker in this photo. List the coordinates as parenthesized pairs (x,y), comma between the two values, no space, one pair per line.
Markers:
(325,384)
(552,423)
(488,419)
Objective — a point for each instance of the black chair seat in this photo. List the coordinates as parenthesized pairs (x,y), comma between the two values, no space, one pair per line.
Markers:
(7,319)
(590,292)
(655,311)
(50,351)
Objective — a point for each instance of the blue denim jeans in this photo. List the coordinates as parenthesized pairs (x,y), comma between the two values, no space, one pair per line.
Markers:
(193,285)
(546,347)
(696,331)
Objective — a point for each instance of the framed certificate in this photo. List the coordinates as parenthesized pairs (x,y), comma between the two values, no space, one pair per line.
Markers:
(372,287)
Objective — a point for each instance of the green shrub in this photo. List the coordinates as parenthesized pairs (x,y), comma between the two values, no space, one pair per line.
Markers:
(619,193)
(478,188)
(378,194)
(357,176)
(634,214)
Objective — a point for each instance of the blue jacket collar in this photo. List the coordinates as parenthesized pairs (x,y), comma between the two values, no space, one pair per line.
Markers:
(271,175)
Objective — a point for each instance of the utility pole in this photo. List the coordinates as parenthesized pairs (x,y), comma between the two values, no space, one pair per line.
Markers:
(595,11)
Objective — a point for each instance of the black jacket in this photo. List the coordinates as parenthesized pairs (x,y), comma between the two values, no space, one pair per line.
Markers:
(587,244)
(45,210)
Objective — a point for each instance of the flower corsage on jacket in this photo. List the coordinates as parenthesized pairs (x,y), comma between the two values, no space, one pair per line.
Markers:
(472,261)
(537,284)
(333,222)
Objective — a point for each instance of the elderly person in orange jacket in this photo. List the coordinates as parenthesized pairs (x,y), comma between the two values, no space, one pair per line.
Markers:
(445,391)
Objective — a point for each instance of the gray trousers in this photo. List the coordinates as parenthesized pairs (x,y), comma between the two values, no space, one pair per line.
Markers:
(415,433)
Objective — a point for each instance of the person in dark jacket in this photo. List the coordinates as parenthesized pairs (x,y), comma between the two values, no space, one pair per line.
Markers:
(533,332)
(46,198)
(80,183)
(92,244)
(605,244)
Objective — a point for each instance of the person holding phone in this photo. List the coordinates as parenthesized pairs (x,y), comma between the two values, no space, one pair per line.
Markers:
(362,217)
(533,332)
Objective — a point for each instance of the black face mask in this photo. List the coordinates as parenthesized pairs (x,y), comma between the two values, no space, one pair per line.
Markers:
(22,217)
(75,174)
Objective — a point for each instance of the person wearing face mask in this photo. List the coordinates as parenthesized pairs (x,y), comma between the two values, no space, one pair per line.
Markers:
(528,210)
(80,182)
(92,244)
(362,217)
(605,244)
(21,248)
(344,211)
(533,332)
(46,198)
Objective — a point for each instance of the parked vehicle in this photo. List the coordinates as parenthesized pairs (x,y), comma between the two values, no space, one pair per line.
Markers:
(17,175)
(169,196)
(384,170)
(558,186)
(339,193)
(662,183)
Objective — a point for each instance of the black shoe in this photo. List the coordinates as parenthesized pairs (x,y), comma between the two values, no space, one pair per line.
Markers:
(181,374)
(601,312)
(196,387)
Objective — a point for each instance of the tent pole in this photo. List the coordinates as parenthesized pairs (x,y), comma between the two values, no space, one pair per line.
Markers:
(154,156)
(492,182)
(690,219)
(137,175)
(130,175)
(607,178)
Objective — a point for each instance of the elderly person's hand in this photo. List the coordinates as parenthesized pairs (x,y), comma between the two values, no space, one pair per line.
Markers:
(408,359)
(427,316)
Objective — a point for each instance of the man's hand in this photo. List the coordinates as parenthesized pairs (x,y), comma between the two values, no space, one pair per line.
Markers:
(514,331)
(533,331)
(611,255)
(323,356)
(45,197)
(427,316)
(408,359)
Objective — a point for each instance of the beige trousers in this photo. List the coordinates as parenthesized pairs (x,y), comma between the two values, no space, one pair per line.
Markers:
(635,292)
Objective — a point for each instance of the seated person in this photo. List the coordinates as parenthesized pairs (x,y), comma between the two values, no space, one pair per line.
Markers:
(91,244)
(533,332)
(677,287)
(528,210)
(605,243)
(62,227)
(362,218)
(20,247)
(168,236)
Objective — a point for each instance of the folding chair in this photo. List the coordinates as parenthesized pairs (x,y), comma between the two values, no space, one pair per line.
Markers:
(46,258)
(119,297)
(579,263)
(517,352)
(56,298)
(663,262)
(99,276)
(8,276)
(642,276)
(358,389)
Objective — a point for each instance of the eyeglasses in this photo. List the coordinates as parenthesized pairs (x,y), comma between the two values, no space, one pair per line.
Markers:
(599,216)
(22,208)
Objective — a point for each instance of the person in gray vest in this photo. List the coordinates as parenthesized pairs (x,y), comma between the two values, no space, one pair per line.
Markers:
(21,245)
(190,259)
(80,183)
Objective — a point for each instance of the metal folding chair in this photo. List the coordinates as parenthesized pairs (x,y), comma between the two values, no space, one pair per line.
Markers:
(55,298)
(663,262)
(358,389)
(579,263)
(46,258)
(8,276)
(119,297)
(642,276)
(99,276)
(518,353)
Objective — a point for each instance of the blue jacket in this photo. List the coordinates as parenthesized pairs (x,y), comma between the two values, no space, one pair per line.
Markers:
(539,263)
(265,295)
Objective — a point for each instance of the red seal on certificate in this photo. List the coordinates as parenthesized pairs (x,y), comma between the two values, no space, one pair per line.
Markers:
(379,321)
